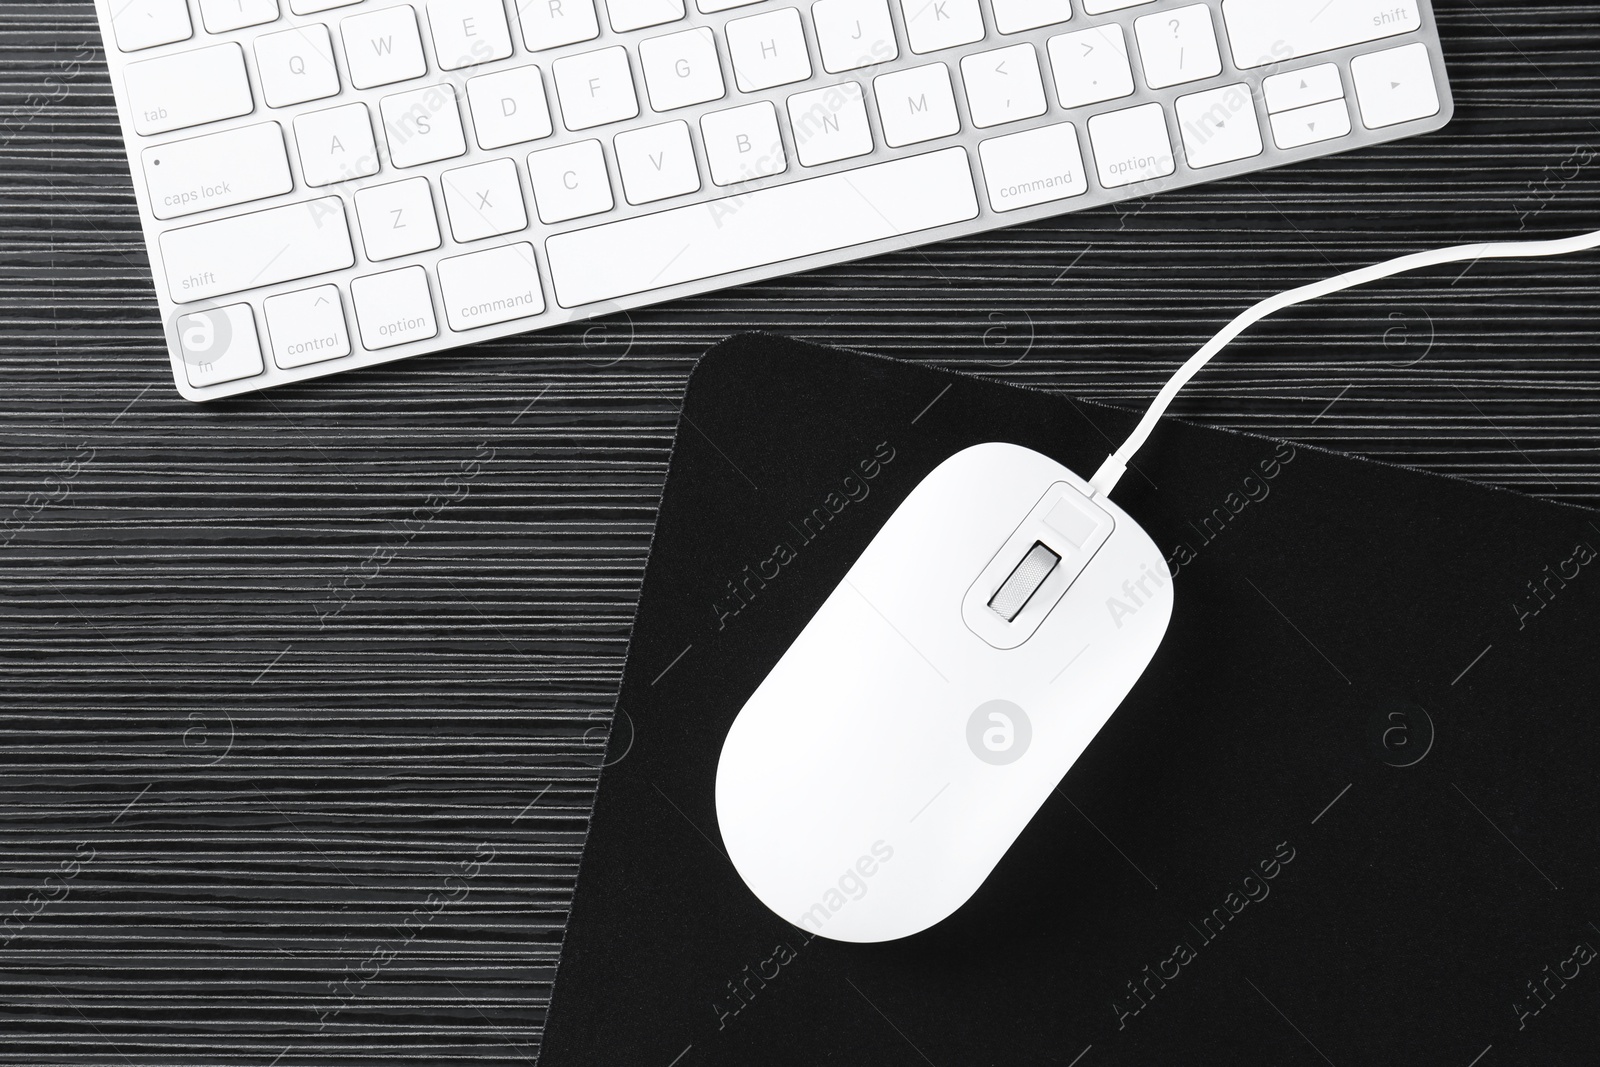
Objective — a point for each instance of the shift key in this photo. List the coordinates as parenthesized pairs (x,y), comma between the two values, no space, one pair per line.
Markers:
(1263,32)
(279,244)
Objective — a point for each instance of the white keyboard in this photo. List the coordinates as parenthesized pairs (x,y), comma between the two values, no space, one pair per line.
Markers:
(329,184)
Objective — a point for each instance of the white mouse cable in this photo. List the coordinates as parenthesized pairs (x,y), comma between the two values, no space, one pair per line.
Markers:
(1117,463)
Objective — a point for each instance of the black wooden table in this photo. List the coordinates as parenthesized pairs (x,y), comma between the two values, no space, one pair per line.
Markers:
(304,693)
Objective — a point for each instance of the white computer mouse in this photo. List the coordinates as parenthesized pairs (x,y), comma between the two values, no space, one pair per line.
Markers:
(944,688)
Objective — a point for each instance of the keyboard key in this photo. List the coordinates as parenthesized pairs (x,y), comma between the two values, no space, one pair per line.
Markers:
(1309,125)
(394,308)
(492,286)
(1033,167)
(265,247)
(595,88)
(1003,85)
(1131,145)
(1395,86)
(484,200)
(916,105)
(681,69)
(397,219)
(312,7)
(336,145)
(1270,31)
(1301,88)
(216,170)
(553,23)
(742,143)
(468,32)
(220,16)
(1014,16)
(768,49)
(423,126)
(710,6)
(509,107)
(1218,126)
(220,345)
(1091,66)
(297,65)
(829,124)
(637,14)
(188,89)
(852,34)
(935,24)
(383,47)
(139,24)
(657,162)
(307,327)
(1100,7)
(569,182)
(757,227)
(1178,46)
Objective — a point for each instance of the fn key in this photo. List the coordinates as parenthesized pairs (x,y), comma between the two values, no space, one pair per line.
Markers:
(219,345)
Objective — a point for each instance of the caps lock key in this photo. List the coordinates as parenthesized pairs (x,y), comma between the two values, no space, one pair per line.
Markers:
(216,170)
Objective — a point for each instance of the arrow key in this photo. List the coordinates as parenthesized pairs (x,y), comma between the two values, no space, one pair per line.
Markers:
(1309,125)
(1219,126)
(1302,88)
(1395,86)
(307,326)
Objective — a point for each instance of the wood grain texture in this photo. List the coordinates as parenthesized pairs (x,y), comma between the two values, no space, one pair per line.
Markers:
(304,693)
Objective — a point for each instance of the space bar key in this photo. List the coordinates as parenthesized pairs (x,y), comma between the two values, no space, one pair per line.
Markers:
(772,225)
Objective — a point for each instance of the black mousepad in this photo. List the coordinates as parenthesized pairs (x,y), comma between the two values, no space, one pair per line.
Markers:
(1347,816)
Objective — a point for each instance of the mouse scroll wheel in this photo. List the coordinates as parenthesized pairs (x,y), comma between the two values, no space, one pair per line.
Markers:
(1025,580)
